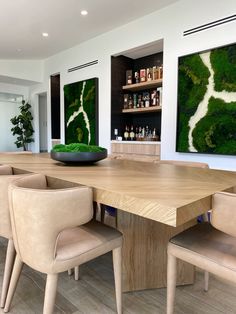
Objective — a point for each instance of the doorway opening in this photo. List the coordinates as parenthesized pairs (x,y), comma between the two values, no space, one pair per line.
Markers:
(43,140)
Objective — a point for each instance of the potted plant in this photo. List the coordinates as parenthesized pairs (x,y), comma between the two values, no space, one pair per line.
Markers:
(23,127)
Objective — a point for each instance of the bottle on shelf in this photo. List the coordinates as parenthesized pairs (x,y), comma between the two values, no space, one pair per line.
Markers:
(146,99)
(126,97)
(140,133)
(126,133)
(130,102)
(129,77)
(143,75)
(154,98)
(136,76)
(132,134)
(149,74)
(135,100)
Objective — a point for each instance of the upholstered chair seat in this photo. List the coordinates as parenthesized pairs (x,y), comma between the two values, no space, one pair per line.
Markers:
(210,246)
(53,232)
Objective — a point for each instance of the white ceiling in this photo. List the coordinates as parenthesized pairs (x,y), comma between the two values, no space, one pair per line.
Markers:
(23,21)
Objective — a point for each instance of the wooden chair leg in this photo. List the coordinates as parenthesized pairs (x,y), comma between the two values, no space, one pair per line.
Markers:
(76,270)
(50,293)
(13,283)
(171,283)
(117,265)
(206,280)
(10,256)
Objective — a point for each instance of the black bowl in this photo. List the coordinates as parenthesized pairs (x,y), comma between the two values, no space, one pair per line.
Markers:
(78,157)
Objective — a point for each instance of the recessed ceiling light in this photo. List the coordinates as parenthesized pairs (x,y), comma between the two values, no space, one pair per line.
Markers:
(84,12)
(45,34)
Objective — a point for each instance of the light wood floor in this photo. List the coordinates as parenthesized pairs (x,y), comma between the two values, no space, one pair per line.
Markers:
(94,293)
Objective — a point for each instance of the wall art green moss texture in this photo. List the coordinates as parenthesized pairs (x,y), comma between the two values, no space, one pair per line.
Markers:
(81,112)
(206,120)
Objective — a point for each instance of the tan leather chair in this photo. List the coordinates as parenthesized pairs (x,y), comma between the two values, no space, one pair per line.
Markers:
(185,163)
(7,175)
(210,246)
(52,233)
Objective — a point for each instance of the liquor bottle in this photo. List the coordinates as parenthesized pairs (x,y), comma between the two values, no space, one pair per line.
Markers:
(126,96)
(154,98)
(126,133)
(143,132)
(131,134)
(139,101)
(142,102)
(135,100)
(130,103)
(149,74)
(136,76)
(129,77)
(140,132)
(143,75)
(136,133)
(146,99)
(146,131)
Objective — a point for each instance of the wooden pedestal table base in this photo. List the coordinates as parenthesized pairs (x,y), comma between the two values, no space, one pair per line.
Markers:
(145,253)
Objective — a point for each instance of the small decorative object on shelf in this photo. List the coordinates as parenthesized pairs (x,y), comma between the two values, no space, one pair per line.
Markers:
(129,77)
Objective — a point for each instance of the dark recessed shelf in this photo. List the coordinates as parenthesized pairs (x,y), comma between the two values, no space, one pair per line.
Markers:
(143,85)
(142,110)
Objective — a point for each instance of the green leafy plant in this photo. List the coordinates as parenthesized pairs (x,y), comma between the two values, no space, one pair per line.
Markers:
(23,126)
(77,147)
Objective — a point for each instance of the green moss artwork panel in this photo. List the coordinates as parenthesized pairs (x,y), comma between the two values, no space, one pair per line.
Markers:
(81,112)
(206,120)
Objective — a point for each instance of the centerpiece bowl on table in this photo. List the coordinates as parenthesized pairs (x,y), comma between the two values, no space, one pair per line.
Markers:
(78,153)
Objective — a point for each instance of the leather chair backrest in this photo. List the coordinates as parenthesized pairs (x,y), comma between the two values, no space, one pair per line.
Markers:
(5,170)
(39,214)
(185,163)
(6,177)
(223,216)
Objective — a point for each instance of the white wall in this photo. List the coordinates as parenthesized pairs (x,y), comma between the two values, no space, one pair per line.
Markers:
(9,110)
(169,24)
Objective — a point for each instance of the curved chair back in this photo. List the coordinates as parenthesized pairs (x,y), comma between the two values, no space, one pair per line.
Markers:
(5,170)
(39,214)
(6,177)
(185,163)
(223,216)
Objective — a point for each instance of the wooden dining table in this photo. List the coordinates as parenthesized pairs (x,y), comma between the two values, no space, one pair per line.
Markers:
(153,201)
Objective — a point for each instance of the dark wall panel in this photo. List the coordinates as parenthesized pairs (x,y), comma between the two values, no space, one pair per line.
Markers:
(55,106)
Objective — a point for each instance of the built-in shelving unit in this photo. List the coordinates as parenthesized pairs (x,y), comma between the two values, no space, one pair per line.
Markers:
(138,113)
(143,85)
